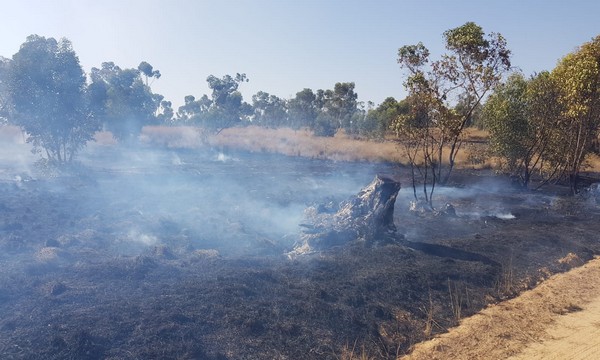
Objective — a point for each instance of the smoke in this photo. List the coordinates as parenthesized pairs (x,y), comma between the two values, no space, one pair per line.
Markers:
(137,198)
(235,203)
(17,159)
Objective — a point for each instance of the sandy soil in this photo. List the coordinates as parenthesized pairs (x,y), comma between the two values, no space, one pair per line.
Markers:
(559,319)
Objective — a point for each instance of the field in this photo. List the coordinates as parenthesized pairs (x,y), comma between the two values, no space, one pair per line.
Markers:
(176,250)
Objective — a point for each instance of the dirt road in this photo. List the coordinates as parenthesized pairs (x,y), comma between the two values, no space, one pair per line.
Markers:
(559,319)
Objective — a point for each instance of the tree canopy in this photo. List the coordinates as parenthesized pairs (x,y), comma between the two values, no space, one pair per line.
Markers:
(473,65)
(122,100)
(47,89)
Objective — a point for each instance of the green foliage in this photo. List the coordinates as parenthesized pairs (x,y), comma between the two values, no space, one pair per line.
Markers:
(165,114)
(577,78)
(445,96)
(506,118)
(341,104)
(380,119)
(47,87)
(191,111)
(269,110)
(302,109)
(122,100)
(448,94)
(547,124)
(148,71)
(227,107)
(413,57)
(544,112)
(325,125)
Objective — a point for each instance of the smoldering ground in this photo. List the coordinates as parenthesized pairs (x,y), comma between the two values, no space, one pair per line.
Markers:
(165,253)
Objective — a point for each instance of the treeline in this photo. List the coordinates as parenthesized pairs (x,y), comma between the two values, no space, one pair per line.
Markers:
(542,126)
(44,90)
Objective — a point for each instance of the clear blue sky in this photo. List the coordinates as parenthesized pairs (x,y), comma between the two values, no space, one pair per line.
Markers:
(287,45)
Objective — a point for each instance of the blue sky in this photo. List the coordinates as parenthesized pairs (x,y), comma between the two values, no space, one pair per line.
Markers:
(284,46)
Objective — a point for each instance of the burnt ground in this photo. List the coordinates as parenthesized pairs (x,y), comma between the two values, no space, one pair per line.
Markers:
(127,260)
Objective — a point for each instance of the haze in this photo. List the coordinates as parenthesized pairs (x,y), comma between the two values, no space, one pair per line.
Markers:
(285,46)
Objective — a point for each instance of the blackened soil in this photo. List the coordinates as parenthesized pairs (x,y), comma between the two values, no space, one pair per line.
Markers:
(72,287)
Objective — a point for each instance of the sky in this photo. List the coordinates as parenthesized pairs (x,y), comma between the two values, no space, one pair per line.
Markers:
(284,46)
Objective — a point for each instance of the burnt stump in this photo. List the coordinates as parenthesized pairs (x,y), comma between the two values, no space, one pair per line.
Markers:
(367,216)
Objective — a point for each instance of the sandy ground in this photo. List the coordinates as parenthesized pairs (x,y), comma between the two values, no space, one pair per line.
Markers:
(559,319)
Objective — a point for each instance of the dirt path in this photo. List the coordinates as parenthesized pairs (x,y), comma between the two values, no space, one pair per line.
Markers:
(559,319)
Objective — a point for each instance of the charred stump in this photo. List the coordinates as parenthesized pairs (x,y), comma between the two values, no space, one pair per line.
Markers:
(368,216)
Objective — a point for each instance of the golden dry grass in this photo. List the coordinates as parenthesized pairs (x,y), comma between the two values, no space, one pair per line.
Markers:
(473,154)
(302,143)
(508,328)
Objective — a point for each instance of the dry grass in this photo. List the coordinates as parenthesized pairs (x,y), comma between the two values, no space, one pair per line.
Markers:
(302,143)
(352,353)
(473,154)
(505,329)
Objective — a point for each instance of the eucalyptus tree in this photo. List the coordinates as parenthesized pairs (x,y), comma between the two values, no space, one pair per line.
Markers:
(473,65)
(302,109)
(378,120)
(227,106)
(341,104)
(269,110)
(577,77)
(148,71)
(47,89)
(123,101)
(192,110)
(513,136)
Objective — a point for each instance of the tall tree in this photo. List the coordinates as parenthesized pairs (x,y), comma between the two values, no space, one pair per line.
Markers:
(47,91)
(302,109)
(511,135)
(341,103)
(123,101)
(379,120)
(269,110)
(473,65)
(578,79)
(148,71)
(228,107)
(192,110)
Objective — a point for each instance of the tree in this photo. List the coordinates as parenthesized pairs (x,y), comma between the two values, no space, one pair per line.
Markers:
(47,92)
(379,120)
(544,113)
(302,109)
(422,141)
(269,110)
(227,107)
(192,110)
(123,101)
(512,136)
(577,77)
(474,64)
(165,114)
(341,104)
(148,71)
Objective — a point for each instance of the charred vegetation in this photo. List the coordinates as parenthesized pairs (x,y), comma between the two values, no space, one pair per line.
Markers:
(152,260)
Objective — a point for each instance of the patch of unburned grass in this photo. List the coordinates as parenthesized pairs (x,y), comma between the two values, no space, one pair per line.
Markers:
(302,143)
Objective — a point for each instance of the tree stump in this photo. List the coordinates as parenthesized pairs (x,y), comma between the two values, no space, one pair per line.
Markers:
(368,216)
